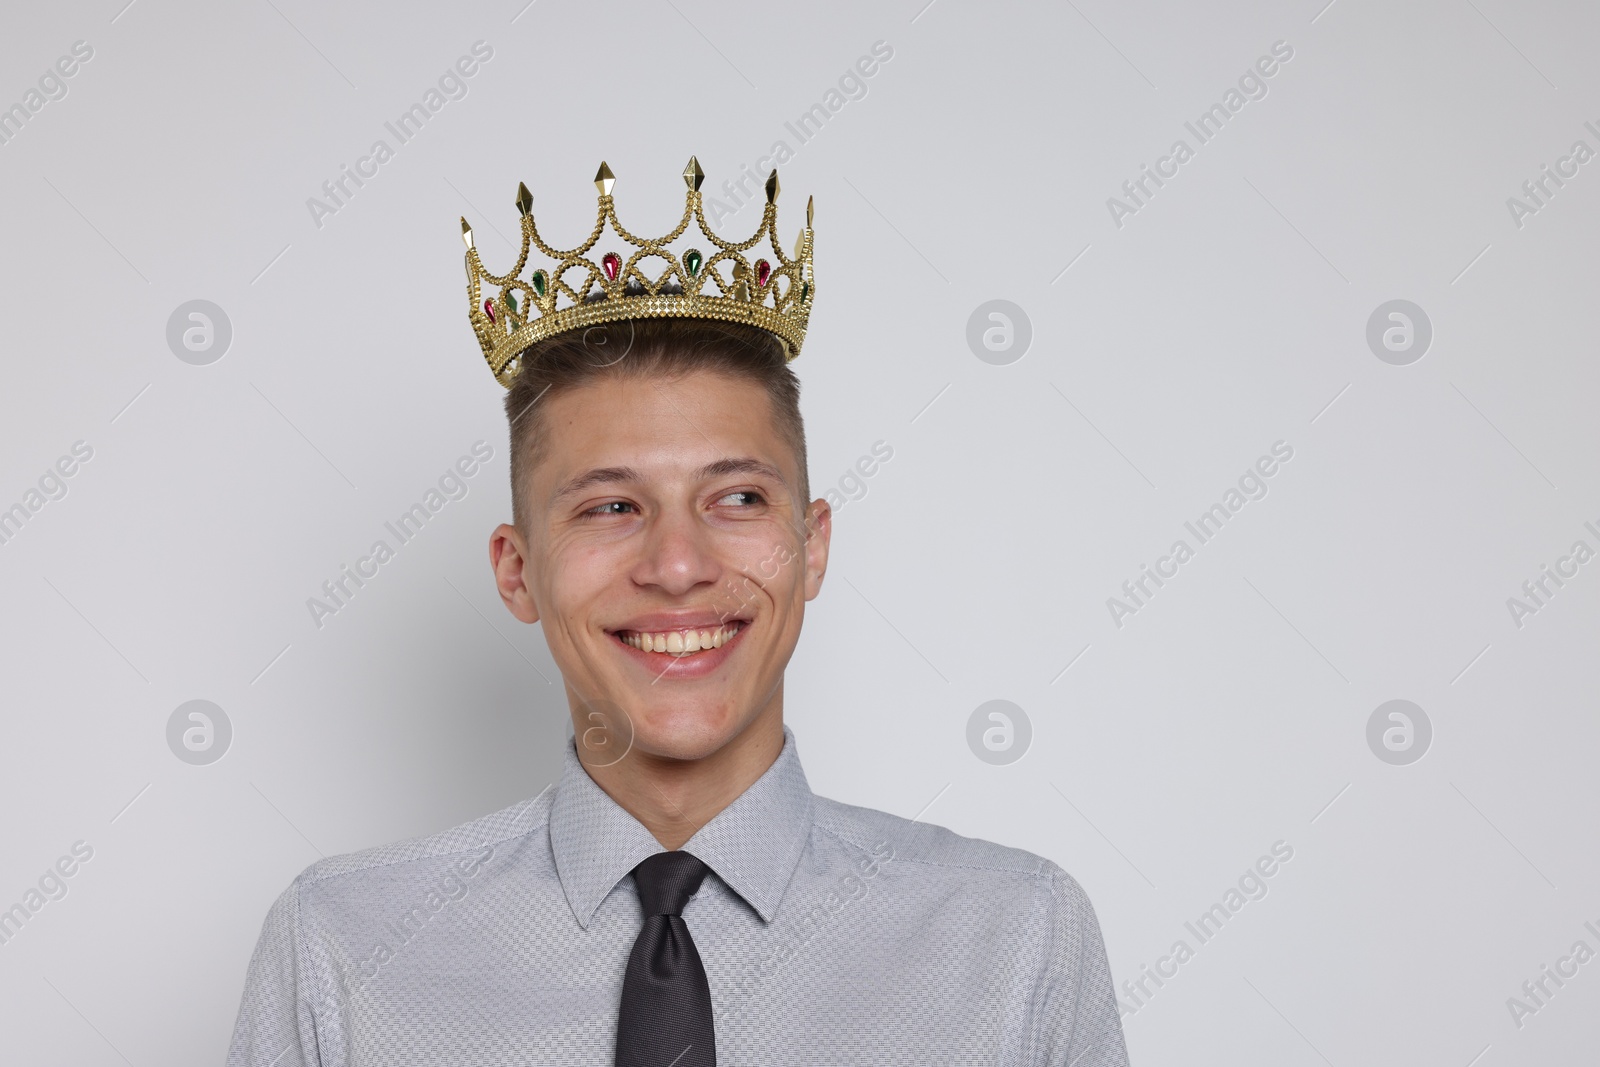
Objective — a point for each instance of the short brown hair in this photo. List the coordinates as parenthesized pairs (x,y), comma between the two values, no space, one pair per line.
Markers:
(640,348)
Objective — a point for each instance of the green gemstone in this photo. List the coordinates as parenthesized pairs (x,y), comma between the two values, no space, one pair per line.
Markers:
(538,282)
(511,300)
(692,260)
(805,291)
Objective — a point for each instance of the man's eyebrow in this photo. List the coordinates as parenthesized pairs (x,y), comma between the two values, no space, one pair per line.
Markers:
(598,476)
(743,465)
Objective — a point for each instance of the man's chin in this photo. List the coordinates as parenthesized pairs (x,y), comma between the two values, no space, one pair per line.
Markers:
(684,733)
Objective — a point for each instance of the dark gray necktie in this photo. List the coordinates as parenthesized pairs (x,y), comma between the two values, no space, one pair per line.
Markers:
(665,1018)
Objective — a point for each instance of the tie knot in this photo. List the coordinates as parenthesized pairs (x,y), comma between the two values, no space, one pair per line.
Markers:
(667,880)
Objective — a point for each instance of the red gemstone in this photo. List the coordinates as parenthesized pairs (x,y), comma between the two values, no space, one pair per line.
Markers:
(611,263)
(763,271)
(488,309)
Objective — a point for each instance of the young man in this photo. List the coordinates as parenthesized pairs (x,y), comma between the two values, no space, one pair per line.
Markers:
(679,898)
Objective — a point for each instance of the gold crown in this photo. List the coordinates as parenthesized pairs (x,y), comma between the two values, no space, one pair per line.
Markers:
(776,298)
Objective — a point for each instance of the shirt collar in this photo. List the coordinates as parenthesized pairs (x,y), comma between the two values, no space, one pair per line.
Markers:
(754,844)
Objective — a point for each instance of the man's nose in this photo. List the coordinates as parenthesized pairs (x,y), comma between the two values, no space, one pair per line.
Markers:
(677,554)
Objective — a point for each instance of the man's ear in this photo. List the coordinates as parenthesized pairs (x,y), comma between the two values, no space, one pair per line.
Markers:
(819,530)
(508,556)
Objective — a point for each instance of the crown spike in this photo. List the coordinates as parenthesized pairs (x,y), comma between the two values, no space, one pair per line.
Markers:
(524,198)
(604,179)
(772,186)
(466,232)
(809,201)
(693,176)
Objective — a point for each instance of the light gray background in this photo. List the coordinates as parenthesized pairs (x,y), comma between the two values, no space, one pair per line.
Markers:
(1168,354)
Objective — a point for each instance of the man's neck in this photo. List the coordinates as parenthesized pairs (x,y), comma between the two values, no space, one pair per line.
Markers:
(674,798)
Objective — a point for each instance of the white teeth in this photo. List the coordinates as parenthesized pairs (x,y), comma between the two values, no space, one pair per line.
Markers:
(682,642)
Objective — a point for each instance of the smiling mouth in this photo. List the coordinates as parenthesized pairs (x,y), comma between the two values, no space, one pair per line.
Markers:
(680,643)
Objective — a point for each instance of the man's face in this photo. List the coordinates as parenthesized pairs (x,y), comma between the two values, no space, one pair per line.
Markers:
(664,517)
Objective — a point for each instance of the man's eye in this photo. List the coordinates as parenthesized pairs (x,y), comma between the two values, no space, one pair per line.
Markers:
(744,497)
(608,508)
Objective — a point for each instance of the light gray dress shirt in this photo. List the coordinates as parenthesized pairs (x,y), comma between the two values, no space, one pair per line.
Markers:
(830,934)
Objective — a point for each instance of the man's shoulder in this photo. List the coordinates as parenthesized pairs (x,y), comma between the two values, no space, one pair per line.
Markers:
(939,852)
(425,856)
